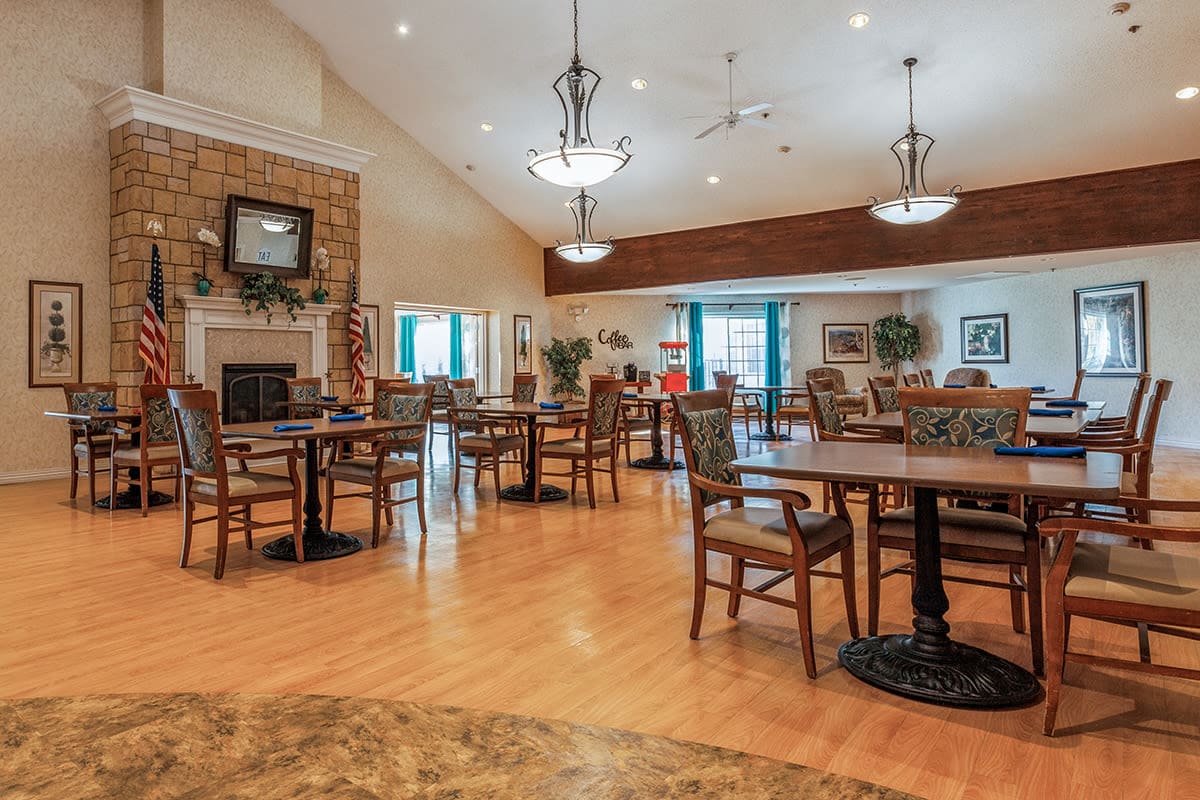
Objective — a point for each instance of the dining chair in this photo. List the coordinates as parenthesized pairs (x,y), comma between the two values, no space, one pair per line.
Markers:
(1074,395)
(386,465)
(156,444)
(208,481)
(598,442)
(979,418)
(304,390)
(792,406)
(787,537)
(913,379)
(438,414)
(1148,589)
(827,426)
(636,426)
(849,401)
(968,377)
(524,388)
(91,442)
(486,441)
(884,393)
(745,404)
(1125,425)
(927,378)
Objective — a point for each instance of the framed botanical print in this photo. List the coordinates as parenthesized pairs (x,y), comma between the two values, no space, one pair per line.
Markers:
(1110,330)
(522,344)
(984,339)
(370,322)
(55,333)
(846,343)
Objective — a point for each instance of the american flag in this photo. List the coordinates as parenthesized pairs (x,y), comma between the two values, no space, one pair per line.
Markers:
(358,366)
(153,346)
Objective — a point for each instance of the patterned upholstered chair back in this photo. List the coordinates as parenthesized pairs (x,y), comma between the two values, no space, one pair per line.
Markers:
(462,393)
(302,390)
(158,423)
(828,373)
(604,406)
(381,394)
(883,389)
(823,408)
(84,397)
(707,434)
(964,417)
(524,388)
(968,376)
(407,402)
(198,428)
(441,389)
(927,378)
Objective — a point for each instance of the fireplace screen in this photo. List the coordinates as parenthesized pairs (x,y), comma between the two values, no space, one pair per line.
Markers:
(254,392)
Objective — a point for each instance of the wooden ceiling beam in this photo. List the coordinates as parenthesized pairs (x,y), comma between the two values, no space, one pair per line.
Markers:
(1157,204)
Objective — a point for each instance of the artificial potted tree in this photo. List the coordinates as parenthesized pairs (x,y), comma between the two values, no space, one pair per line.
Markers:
(897,340)
(564,357)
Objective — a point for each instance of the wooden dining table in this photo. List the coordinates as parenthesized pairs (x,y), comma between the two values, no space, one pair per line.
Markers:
(769,392)
(319,543)
(530,413)
(926,664)
(891,423)
(656,459)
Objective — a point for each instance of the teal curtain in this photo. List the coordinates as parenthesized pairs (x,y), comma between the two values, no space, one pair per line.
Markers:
(774,363)
(406,344)
(695,315)
(456,357)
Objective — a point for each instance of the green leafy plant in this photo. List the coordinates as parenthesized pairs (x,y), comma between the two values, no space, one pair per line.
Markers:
(262,291)
(57,334)
(896,340)
(564,358)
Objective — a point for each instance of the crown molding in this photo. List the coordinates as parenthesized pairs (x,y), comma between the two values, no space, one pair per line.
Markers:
(130,103)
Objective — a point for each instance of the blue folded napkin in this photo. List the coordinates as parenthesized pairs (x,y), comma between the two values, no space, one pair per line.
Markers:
(954,386)
(1037,388)
(329,398)
(1050,412)
(993,386)
(106,408)
(551,405)
(629,394)
(1043,452)
(292,426)
(346,417)
(1066,404)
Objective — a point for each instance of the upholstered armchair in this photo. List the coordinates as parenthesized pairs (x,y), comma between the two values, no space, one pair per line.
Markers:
(156,445)
(91,442)
(968,376)
(849,401)
(599,442)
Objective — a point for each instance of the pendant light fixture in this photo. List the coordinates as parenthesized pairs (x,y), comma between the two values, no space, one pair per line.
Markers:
(914,204)
(578,162)
(584,250)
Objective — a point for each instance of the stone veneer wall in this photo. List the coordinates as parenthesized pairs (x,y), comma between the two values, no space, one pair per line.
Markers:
(183,180)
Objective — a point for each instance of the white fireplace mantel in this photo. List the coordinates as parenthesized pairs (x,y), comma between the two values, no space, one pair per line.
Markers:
(202,314)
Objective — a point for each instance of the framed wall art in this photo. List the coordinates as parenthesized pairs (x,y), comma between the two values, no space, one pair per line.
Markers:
(55,333)
(370,323)
(984,339)
(1110,330)
(846,343)
(522,344)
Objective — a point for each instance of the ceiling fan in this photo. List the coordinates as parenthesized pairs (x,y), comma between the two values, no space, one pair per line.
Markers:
(730,121)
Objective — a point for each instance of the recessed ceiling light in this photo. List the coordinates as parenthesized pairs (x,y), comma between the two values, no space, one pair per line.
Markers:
(402,29)
(1187,92)
(713,179)
(859,19)
(486,127)
(639,83)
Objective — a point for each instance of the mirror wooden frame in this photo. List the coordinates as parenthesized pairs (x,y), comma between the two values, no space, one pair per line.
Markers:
(303,248)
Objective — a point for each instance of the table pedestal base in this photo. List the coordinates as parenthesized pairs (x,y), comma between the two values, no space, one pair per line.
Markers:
(523,494)
(132,498)
(656,462)
(961,675)
(317,546)
(770,437)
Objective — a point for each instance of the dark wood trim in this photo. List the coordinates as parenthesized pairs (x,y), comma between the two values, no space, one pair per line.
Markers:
(1140,206)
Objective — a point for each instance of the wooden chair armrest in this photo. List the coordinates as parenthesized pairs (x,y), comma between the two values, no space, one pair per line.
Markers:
(875,436)
(237,447)
(796,499)
(1120,448)
(1056,525)
(246,455)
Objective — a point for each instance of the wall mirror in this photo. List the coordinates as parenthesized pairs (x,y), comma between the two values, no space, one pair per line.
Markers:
(267,237)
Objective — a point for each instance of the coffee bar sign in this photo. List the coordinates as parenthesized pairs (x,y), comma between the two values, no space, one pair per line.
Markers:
(615,340)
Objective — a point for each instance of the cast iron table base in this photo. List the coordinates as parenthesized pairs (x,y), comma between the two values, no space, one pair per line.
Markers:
(132,498)
(656,459)
(319,544)
(769,434)
(523,492)
(656,462)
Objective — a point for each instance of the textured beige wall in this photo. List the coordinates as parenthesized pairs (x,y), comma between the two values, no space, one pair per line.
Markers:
(1041,317)
(56,60)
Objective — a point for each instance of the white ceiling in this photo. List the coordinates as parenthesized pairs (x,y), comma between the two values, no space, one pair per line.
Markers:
(1013,91)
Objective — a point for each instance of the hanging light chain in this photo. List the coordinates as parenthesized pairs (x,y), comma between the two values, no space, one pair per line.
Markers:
(575,60)
(912,125)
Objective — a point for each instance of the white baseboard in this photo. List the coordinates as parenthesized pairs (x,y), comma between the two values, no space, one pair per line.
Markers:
(36,475)
(1185,444)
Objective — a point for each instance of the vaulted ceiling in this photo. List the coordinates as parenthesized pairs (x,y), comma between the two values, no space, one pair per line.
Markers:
(1012,91)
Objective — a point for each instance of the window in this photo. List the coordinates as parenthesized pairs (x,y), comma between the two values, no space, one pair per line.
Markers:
(735,341)
(443,342)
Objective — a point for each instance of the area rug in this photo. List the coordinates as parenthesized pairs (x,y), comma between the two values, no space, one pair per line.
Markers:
(289,746)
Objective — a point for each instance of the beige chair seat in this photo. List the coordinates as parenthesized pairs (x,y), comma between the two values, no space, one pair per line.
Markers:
(481,441)
(574,447)
(439,415)
(1128,483)
(765,529)
(965,527)
(244,484)
(1122,574)
(362,470)
(127,453)
(98,445)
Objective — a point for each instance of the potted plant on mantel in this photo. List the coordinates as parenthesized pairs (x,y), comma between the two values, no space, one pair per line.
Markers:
(203,284)
(564,358)
(262,291)
(896,340)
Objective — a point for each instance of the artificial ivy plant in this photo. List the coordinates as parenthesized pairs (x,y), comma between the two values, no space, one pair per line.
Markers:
(262,291)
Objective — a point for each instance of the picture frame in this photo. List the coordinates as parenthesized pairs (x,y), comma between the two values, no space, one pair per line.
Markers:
(1110,330)
(257,241)
(984,339)
(55,333)
(643,376)
(846,342)
(370,323)
(522,344)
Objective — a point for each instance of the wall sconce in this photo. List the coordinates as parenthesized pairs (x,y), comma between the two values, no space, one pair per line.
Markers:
(578,311)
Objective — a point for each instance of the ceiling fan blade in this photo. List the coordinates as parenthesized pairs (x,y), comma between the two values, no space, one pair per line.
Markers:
(706,132)
(758,123)
(754,109)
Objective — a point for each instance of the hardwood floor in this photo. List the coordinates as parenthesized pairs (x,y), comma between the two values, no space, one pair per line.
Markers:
(558,611)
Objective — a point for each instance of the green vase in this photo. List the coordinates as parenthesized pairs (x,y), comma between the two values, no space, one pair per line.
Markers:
(319,294)
(203,286)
